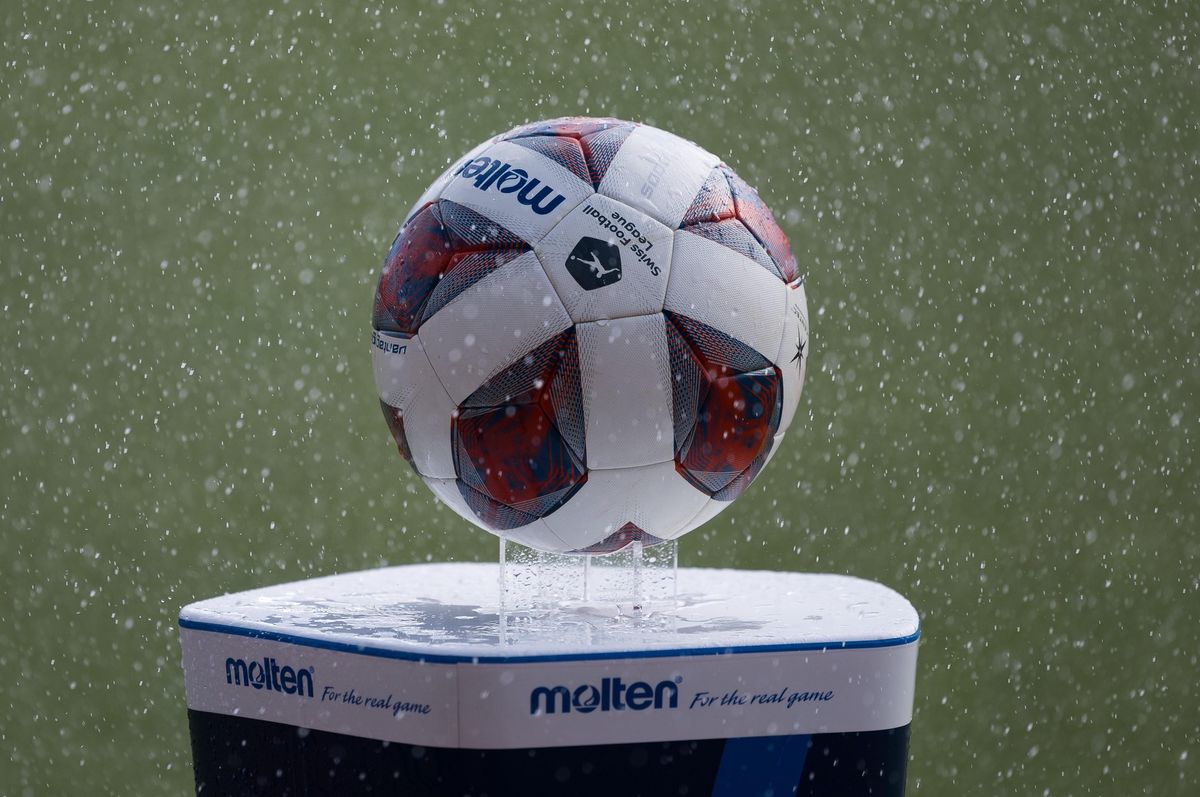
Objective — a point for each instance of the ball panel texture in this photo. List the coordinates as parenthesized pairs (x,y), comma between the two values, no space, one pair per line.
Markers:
(603,242)
(757,217)
(655,498)
(579,127)
(596,140)
(492,324)
(563,150)
(733,393)
(733,235)
(395,422)
(535,535)
(514,463)
(792,359)
(518,188)
(621,539)
(443,250)
(713,202)
(589,333)
(709,511)
(657,173)
(548,376)
(626,391)
(727,291)
(415,404)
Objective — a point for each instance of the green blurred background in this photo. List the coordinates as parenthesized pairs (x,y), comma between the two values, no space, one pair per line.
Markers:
(996,207)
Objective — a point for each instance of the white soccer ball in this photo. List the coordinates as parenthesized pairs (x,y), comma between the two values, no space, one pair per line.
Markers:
(589,332)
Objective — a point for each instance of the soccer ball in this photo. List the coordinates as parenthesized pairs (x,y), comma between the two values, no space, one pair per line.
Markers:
(587,333)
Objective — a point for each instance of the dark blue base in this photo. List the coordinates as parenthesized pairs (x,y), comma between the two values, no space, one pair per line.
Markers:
(238,756)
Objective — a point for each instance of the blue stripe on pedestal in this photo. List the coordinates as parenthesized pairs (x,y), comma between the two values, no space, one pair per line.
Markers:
(761,766)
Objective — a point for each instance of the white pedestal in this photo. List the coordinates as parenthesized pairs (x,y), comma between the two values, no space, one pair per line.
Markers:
(414,679)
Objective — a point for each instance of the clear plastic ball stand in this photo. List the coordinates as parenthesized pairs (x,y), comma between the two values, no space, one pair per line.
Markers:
(553,674)
(634,583)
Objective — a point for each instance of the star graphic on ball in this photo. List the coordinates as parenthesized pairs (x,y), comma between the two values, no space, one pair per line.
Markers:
(799,350)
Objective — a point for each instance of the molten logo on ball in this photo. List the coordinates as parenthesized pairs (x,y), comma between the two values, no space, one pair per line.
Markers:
(489,172)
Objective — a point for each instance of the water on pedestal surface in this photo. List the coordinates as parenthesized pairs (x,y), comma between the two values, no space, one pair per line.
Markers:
(524,609)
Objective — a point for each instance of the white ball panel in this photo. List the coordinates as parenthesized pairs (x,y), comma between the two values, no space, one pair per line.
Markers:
(518,188)
(709,511)
(715,507)
(491,324)
(645,260)
(434,191)
(654,497)
(401,367)
(427,429)
(535,535)
(658,173)
(792,364)
(776,444)
(626,370)
(727,291)
(447,492)
(405,380)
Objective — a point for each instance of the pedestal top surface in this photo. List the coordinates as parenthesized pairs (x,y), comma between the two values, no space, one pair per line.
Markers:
(451,612)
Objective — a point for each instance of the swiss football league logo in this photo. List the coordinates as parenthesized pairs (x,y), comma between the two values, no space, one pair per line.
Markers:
(594,263)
